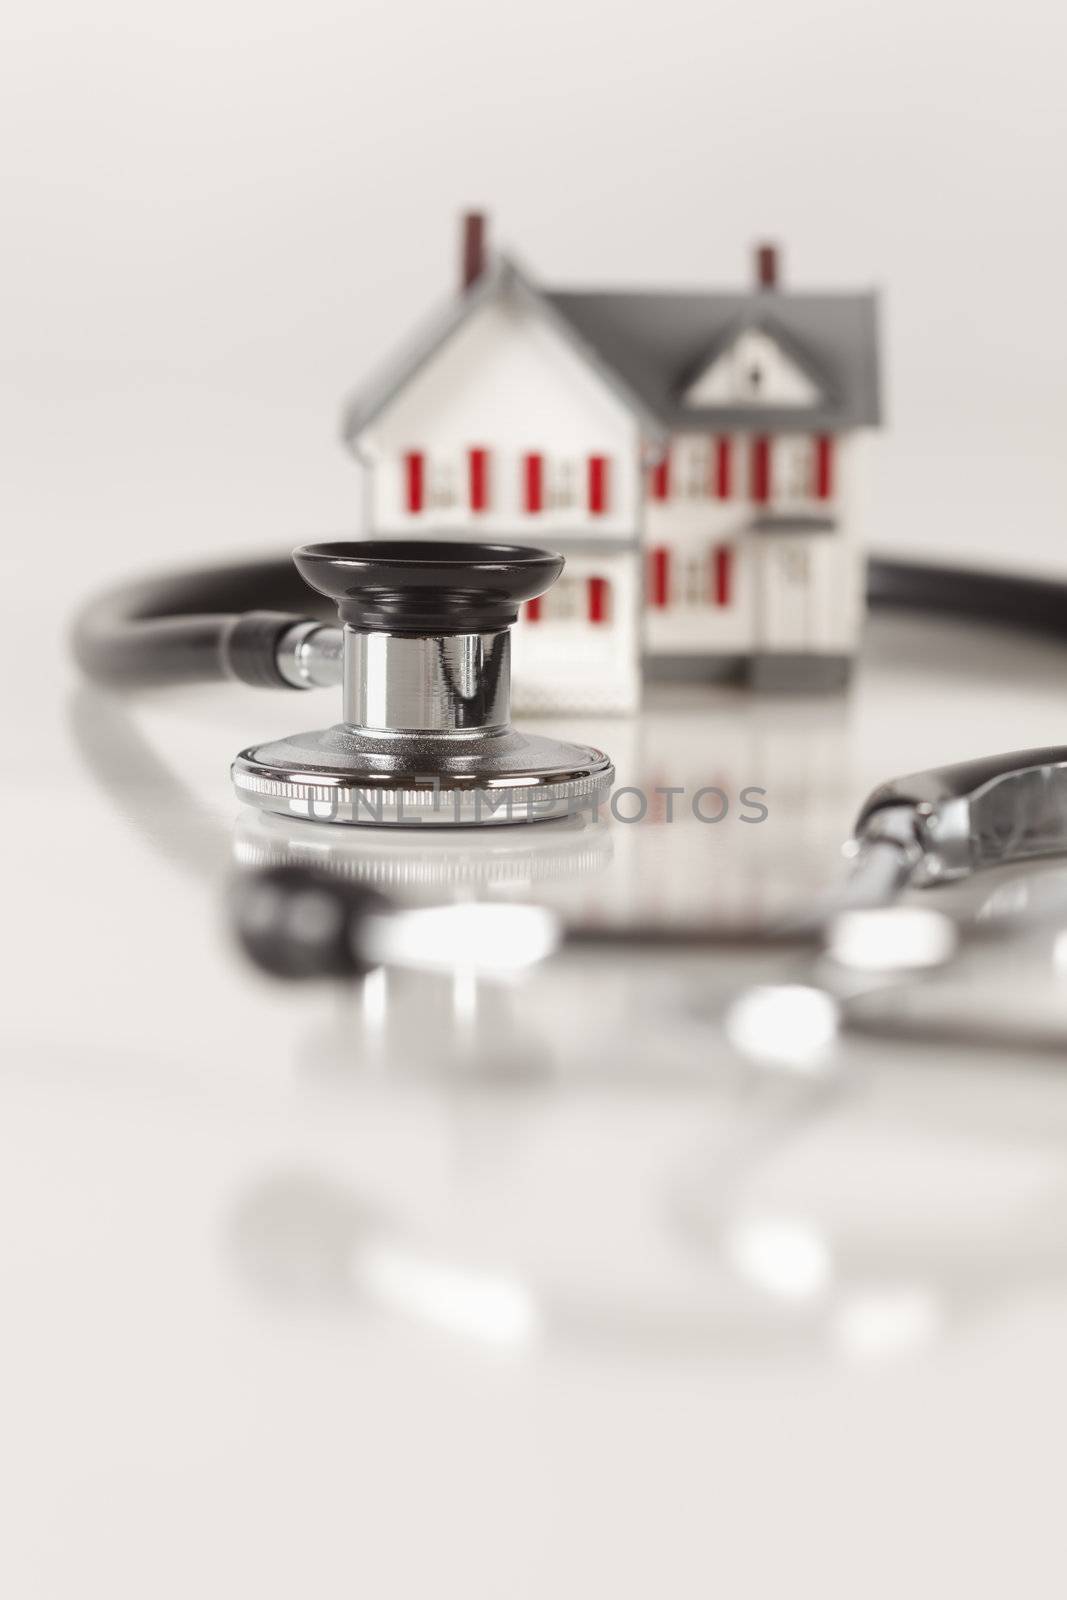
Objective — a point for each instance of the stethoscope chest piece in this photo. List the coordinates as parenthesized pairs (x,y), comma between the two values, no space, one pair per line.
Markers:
(426,736)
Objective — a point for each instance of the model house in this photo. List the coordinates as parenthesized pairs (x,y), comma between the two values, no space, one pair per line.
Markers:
(697,456)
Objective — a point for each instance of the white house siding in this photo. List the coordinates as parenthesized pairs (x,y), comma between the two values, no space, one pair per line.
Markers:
(509,384)
(788,592)
(691,622)
(562,661)
(844,620)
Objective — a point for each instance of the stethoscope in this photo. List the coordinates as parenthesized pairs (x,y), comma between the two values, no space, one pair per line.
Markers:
(426,742)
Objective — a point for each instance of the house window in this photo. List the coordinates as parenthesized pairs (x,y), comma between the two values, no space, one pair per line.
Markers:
(563,485)
(803,467)
(794,468)
(555,484)
(442,485)
(695,469)
(573,600)
(566,600)
(695,581)
(690,583)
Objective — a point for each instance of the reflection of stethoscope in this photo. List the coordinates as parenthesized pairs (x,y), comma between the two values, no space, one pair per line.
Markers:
(744,1274)
(426,742)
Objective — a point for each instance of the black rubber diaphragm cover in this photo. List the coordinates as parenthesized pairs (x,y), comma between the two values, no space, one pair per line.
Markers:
(427,585)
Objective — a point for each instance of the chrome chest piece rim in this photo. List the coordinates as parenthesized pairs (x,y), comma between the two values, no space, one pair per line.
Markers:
(426,738)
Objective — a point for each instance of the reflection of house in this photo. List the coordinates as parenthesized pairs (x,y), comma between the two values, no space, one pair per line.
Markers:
(694,455)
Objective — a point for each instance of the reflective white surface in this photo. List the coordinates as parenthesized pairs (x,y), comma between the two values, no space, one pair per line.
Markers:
(538,1279)
(535,1292)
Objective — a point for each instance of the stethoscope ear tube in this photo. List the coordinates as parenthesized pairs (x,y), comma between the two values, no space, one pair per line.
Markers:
(223,622)
(941,823)
(230,622)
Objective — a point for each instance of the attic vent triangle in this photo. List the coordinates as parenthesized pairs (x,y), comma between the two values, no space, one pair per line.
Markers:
(753,369)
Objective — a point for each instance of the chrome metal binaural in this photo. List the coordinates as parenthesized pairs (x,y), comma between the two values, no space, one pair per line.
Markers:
(450,684)
(887,852)
(975,814)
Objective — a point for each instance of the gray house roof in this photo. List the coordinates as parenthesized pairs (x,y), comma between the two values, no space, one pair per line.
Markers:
(659,342)
(649,347)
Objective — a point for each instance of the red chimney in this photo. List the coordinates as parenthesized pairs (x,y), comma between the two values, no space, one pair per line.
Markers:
(472,249)
(766,266)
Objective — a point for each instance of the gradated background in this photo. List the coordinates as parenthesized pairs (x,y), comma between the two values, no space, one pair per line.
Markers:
(518,1292)
(217,215)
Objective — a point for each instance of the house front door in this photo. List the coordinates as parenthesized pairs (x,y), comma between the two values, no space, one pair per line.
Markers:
(786,609)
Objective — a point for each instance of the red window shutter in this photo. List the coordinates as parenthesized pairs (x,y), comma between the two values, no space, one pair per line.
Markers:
(534,482)
(661,479)
(479,479)
(659,577)
(761,469)
(824,467)
(723,462)
(598,599)
(598,485)
(533,610)
(722,574)
(414,480)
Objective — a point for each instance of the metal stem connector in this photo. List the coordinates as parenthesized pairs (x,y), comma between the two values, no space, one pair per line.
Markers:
(309,655)
(425,660)
(403,683)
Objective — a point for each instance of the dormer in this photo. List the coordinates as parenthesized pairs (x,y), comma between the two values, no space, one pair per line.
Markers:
(753,368)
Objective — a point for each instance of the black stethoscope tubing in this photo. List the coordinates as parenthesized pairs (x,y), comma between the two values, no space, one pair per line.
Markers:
(215,623)
(221,623)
